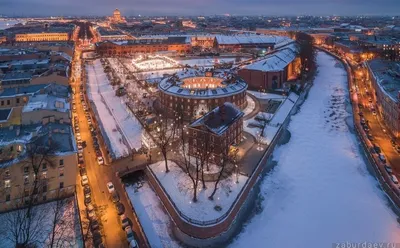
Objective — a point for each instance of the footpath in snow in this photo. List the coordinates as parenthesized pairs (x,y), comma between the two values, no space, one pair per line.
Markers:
(121,126)
(320,192)
(152,216)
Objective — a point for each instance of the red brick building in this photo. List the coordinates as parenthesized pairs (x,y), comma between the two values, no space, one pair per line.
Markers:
(198,95)
(216,131)
(271,72)
(172,44)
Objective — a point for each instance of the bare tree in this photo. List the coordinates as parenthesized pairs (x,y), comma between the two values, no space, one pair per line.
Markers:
(25,223)
(262,120)
(62,222)
(203,153)
(225,158)
(164,135)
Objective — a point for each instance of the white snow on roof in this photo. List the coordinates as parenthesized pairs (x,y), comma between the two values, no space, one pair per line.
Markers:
(250,39)
(46,102)
(274,62)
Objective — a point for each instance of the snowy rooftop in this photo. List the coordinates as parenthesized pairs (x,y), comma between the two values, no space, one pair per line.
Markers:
(387,76)
(219,119)
(172,86)
(46,102)
(274,62)
(250,39)
(55,133)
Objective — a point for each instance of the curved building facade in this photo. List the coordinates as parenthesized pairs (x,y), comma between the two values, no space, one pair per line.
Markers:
(197,95)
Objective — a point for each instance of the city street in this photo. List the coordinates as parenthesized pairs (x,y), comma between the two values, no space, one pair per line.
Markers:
(98,176)
(379,132)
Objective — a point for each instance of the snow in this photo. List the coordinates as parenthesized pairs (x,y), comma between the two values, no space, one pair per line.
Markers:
(122,128)
(152,216)
(251,105)
(207,62)
(263,95)
(4,24)
(320,192)
(274,62)
(68,232)
(179,187)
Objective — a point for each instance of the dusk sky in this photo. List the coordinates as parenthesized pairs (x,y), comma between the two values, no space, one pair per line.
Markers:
(200,7)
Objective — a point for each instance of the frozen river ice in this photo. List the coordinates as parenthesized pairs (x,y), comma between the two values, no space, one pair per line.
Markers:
(320,192)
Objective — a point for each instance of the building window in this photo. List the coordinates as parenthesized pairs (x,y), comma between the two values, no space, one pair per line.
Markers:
(44,198)
(7,183)
(26,170)
(44,188)
(8,102)
(17,100)
(61,162)
(8,198)
(7,173)
(44,166)
(61,172)
(61,185)
(26,192)
(2,103)
(44,174)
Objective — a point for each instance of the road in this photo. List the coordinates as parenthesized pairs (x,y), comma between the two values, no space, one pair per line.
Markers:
(98,176)
(381,136)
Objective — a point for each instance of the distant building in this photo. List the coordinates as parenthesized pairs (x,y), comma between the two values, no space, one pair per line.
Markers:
(114,48)
(216,132)
(385,80)
(272,72)
(116,17)
(111,35)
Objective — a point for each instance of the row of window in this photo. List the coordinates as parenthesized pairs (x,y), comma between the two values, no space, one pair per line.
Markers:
(35,192)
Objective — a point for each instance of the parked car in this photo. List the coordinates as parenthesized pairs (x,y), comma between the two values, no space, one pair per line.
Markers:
(100,160)
(377,149)
(133,244)
(397,149)
(84,180)
(374,113)
(393,142)
(394,179)
(129,234)
(88,199)
(110,187)
(82,171)
(86,189)
(382,158)
(94,225)
(115,197)
(120,208)
(388,169)
(124,221)
(369,136)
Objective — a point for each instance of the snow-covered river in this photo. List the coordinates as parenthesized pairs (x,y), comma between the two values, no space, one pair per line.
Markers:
(320,192)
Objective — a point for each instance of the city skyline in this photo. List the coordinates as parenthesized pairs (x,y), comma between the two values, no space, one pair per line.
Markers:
(185,8)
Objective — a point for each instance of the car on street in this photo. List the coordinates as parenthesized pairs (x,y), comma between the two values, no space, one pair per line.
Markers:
(377,148)
(82,171)
(115,197)
(369,136)
(370,99)
(393,142)
(86,189)
(110,187)
(100,160)
(94,225)
(382,158)
(88,199)
(84,180)
(124,221)
(394,179)
(374,113)
(388,169)
(397,149)
(129,234)
(120,208)
(133,244)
